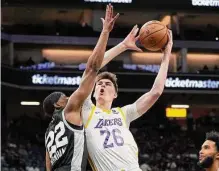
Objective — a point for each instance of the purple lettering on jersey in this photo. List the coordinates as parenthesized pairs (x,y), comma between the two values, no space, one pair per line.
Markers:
(108,122)
(119,122)
(99,124)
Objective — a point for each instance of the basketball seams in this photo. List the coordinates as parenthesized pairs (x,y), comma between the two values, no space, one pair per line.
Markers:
(155,23)
(159,41)
(152,33)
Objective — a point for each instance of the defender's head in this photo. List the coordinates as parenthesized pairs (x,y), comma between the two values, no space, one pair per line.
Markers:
(56,100)
(209,152)
(106,87)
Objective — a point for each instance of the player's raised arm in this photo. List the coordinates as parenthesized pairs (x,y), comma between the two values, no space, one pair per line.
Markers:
(147,100)
(129,43)
(135,110)
(93,65)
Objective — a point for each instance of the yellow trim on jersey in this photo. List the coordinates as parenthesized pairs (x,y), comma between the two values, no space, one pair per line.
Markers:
(123,115)
(106,111)
(92,164)
(90,116)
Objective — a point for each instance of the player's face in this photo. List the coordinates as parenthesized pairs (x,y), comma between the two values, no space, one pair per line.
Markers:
(105,90)
(62,102)
(208,149)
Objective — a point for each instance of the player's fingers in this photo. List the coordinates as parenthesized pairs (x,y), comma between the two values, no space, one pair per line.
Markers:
(115,18)
(138,49)
(102,20)
(170,34)
(107,12)
(111,11)
(133,29)
(137,38)
(170,38)
(136,30)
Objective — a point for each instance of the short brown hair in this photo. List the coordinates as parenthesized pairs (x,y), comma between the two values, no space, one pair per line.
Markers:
(110,76)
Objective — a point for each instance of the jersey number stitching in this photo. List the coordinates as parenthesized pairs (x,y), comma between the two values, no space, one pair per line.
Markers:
(118,140)
(59,139)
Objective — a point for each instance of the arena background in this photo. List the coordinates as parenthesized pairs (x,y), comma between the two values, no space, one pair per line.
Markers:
(45,45)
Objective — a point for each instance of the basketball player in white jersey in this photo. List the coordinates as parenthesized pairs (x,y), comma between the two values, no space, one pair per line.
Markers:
(111,146)
(51,103)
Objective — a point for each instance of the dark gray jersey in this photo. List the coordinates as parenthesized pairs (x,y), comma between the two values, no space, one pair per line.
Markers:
(65,144)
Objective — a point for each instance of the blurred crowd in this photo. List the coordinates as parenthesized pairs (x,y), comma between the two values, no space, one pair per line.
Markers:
(165,149)
(162,147)
(23,144)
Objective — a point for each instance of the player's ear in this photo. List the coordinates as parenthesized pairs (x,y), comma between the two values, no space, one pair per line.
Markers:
(57,105)
(115,95)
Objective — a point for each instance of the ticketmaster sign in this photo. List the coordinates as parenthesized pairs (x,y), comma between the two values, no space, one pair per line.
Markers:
(172,82)
(127,81)
(190,83)
(207,3)
(55,80)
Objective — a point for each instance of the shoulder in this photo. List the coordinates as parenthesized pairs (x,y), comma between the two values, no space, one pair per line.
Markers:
(87,106)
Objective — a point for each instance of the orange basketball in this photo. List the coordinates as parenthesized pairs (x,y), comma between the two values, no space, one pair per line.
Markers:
(153,35)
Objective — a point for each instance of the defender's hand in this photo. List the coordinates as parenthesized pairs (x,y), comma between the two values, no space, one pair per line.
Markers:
(109,21)
(130,41)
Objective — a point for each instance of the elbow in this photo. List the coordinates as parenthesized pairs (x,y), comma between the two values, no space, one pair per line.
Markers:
(92,69)
(94,66)
(94,63)
(156,93)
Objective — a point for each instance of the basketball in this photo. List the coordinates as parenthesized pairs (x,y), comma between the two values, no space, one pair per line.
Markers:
(153,35)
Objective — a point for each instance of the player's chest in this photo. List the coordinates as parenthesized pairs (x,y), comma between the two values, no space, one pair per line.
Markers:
(110,119)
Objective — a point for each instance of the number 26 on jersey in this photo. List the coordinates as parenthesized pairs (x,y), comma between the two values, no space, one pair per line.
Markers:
(117,139)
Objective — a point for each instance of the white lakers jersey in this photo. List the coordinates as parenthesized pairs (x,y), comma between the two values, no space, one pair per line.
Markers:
(111,146)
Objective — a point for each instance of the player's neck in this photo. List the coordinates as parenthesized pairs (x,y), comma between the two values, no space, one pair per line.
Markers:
(104,106)
(214,167)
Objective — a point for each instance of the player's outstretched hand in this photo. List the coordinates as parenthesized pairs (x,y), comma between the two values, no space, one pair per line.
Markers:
(109,21)
(130,41)
(168,48)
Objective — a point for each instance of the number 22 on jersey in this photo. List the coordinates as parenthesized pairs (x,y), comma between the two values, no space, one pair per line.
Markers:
(57,138)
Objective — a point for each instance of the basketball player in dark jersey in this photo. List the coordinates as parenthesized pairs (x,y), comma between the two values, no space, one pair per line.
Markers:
(64,138)
(65,143)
